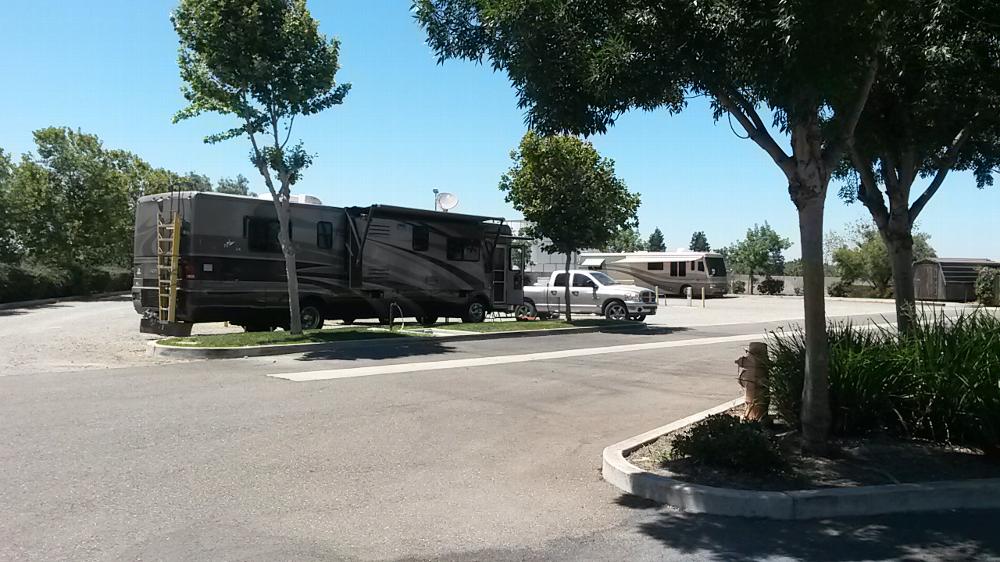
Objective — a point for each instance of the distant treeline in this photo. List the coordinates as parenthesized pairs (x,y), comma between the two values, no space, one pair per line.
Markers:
(66,213)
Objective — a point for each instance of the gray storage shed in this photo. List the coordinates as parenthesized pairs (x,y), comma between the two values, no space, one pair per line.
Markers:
(948,279)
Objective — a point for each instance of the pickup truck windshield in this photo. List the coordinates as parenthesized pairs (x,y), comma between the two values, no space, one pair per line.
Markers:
(603,278)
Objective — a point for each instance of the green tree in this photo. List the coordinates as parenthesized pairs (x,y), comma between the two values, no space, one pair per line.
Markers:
(72,204)
(577,65)
(10,251)
(937,110)
(699,242)
(264,63)
(867,258)
(570,195)
(239,185)
(759,253)
(656,243)
(625,240)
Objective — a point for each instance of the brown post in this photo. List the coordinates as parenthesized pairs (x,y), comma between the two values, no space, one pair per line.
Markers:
(753,379)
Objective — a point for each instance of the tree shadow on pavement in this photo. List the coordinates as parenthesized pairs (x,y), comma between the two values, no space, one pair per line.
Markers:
(950,535)
(393,348)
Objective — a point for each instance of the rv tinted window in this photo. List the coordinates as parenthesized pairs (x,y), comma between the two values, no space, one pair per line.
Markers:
(463,249)
(560,280)
(673,269)
(655,266)
(701,266)
(682,269)
(262,234)
(324,235)
(421,238)
(716,267)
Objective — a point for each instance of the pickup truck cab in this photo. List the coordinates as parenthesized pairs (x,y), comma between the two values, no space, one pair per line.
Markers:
(591,292)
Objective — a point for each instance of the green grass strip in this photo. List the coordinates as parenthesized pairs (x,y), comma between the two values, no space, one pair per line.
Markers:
(246,339)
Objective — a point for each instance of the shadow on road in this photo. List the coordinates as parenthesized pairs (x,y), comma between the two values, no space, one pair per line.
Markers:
(384,349)
(952,535)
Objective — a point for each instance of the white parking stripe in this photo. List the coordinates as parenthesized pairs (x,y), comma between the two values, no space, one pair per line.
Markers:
(399,368)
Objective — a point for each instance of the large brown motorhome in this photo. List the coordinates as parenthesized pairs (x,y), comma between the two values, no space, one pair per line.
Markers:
(355,262)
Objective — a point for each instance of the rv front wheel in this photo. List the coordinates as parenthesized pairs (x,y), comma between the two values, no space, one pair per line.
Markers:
(312,317)
(475,313)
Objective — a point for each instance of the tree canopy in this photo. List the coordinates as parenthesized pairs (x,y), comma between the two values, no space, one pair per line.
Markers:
(569,194)
(625,240)
(699,242)
(759,253)
(239,185)
(656,243)
(866,258)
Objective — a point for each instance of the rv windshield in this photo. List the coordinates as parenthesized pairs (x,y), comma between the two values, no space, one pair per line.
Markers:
(603,278)
(716,267)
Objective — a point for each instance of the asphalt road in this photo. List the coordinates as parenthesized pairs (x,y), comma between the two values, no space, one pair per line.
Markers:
(219,461)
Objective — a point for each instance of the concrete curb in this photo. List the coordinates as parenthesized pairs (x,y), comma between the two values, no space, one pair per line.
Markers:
(155,349)
(79,298)
(795,504)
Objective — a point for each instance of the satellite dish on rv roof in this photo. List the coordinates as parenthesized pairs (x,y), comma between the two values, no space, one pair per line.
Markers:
(447,201)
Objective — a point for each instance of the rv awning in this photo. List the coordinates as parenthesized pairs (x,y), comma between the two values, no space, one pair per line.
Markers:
(659,259)
(592,262)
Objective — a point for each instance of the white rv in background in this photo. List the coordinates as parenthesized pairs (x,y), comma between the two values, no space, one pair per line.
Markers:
(672,272)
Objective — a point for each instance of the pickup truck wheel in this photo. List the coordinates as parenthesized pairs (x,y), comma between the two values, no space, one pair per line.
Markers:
(637,317)
(526,311)
(475,312)
(616,310)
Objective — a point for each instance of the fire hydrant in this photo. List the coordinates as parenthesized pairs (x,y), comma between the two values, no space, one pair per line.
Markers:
(753,379)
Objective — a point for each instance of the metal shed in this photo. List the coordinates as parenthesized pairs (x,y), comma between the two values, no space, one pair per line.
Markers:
(948,279)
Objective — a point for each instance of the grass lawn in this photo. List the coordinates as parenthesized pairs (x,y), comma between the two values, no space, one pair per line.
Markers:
(279,338)
(487,327)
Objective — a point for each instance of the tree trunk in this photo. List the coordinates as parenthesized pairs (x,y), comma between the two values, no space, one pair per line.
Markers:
(900,247)
(569,283)
(751,282)
(816,388)
(284,214)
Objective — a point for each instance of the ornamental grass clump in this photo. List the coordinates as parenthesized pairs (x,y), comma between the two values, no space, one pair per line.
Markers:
(940,382)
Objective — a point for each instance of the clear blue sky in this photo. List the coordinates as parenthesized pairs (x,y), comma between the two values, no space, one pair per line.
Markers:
(409,125)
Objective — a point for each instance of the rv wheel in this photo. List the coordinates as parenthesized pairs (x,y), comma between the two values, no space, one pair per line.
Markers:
(312,318)
(427,320)
(475,313)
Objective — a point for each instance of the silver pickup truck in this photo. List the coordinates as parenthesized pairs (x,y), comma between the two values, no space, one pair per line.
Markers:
(591,292)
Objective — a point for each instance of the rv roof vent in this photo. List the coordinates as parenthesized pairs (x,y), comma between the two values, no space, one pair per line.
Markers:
(308,199)
(296,198)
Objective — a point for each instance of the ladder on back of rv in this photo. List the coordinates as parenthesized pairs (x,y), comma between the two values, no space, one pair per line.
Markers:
(168,251)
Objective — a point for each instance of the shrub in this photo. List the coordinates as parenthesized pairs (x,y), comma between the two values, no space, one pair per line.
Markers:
(739,287)
(726,441)
(839,289)
(44,282)
(771,286)
(941,382)
(798,291)
(987,285)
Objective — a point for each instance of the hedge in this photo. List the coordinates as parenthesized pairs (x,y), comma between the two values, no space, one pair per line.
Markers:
(23,283)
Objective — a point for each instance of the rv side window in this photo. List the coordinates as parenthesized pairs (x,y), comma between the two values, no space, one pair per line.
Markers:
(655,266)
(560,280)
(262,234)
(673,269)
(324,235)
(421,238)
(682,269)
(463,249)
(701,266)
